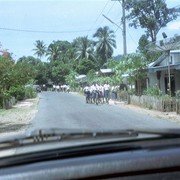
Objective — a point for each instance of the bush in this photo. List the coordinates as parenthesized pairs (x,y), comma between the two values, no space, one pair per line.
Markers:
(131,91)
(123,95)
(4,97)
(30,92)
(21,92)
(153,91)
(18,92)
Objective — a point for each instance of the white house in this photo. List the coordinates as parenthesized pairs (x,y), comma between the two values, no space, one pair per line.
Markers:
(158,74)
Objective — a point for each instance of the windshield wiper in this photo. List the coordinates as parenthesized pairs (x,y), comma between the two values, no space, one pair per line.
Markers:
(50,135)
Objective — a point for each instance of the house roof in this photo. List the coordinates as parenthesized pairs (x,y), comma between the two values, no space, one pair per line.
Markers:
(82,76)
(158,61)
(175,51)
(160,68)
(155,66)
(105,71)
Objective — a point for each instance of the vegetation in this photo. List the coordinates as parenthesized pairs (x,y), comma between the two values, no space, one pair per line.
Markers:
(14,76)
(150,15)
(105,43)
(153,91)
(66,60)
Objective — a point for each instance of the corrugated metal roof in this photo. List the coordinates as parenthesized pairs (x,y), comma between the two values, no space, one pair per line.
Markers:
(106,71)
(161,68)
(162,58)
(80,76)
(175,51)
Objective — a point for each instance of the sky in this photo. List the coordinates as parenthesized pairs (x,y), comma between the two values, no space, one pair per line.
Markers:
(65,20)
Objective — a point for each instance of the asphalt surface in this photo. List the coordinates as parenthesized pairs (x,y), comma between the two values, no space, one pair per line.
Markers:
(69,111)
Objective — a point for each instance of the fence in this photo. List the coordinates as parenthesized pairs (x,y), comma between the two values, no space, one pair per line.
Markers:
(164,103)
(123,96)
(157,103)
(178,106)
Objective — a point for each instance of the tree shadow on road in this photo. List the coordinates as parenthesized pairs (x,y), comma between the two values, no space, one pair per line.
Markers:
(7,127)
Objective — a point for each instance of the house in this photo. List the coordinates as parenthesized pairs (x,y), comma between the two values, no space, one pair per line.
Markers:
(81,79)
(106,72)
(160,72)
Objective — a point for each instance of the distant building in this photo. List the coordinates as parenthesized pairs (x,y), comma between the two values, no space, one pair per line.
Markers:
(106,72)
(81,79)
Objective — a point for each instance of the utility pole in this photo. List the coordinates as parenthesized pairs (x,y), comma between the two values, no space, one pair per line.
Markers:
(168,63)
(124,26)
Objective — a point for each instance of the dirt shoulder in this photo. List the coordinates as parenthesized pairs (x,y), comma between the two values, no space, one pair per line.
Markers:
(19,117)
(171,116)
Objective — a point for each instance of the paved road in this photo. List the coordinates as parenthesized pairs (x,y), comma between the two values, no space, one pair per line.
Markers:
(63,110)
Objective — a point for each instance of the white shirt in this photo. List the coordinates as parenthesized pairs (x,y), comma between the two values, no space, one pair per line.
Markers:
(67,87)
(106,87)
(86,88)
(97,87)
(93,88)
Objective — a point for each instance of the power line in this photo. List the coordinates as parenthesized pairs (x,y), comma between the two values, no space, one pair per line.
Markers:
(108,12)
(111,7)
(99,15)
(40,31)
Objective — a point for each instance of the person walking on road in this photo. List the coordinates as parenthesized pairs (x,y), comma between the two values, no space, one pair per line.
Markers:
(106,92)
(87,93)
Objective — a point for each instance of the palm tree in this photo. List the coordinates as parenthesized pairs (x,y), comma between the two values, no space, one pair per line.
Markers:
(53,52)
(40,49)
(105,43)
(84,48)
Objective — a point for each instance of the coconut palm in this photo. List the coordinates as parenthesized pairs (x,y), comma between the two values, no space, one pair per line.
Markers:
(40,49)
(105,43)
(53,52)
(84,48)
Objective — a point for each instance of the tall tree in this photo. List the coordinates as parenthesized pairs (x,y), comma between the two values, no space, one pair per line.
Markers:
(29,59)
(84,48)
(40,49)
(58,50)
(53,51)
(151,15)
(105,43)
(150,56)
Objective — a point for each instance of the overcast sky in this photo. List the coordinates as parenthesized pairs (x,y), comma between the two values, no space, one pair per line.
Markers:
(66,20)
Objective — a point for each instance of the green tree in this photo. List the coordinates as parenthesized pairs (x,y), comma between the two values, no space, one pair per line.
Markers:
(23,73)
(53,52)
(41,69)
(30,60)
(85,65)
(151,15)
(40,49)
(59,50)
(105,43)
(13,78)
(150,56)
(84,48)
(59,71)
(134,66)
(44,74)
(6,74)
(71,80)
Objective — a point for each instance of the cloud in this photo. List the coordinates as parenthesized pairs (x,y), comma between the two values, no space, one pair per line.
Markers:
(174,25)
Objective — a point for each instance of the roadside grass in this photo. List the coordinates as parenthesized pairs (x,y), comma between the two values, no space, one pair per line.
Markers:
(19,117)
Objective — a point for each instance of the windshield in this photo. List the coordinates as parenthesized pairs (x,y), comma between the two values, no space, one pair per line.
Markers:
(89,66)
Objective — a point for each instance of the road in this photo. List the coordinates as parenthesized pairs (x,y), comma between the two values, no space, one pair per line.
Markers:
(68,110)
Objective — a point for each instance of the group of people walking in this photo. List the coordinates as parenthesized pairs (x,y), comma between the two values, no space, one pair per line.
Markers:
(61,88)
(99,93)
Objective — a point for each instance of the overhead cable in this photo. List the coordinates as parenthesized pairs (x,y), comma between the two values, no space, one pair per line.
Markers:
(41,31)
